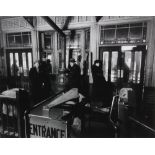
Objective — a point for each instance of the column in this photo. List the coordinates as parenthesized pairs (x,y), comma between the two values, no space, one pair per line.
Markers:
(93,47)
(35,48)
(149,73)
(82,44)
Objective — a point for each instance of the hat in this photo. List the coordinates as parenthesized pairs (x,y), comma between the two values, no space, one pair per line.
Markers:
(72,60)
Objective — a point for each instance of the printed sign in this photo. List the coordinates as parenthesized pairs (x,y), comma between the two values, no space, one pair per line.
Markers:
(42,127)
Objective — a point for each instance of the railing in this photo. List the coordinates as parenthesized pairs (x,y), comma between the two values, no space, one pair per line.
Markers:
(12,114)
(149,132)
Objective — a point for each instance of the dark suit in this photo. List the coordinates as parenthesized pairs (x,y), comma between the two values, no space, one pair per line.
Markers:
(74,76)
(35,84)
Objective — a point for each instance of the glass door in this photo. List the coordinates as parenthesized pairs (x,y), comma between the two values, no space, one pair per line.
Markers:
(124,67)
(123,64)
(110,61)
(19,63)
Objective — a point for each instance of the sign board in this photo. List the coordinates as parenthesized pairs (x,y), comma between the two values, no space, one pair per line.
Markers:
(44,127)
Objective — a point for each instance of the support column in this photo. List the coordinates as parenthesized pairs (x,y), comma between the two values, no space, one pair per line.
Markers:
(55,63)
(82,49)
(149,72)
(153,67)
(93,47)
(35,48)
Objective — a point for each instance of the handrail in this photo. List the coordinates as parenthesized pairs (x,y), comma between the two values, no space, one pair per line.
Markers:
(41,102)
(143,125)
(112,105)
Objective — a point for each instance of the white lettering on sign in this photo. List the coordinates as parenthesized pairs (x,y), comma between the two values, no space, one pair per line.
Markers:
(46,132)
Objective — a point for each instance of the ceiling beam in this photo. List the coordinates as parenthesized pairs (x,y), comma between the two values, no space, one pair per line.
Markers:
(30,20)
(98,18)
(53,25)
(67,22)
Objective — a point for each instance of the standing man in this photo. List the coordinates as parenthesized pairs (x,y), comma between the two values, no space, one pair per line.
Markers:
(99,83)
(35,82)
(45,79)
(74,74)
(15,69)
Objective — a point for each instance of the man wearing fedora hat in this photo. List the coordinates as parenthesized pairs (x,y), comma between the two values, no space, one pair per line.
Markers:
(74,74)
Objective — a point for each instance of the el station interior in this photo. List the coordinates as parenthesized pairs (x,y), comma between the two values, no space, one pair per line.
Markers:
(125,45)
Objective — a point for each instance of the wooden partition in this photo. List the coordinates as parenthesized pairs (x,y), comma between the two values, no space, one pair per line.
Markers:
(12,115)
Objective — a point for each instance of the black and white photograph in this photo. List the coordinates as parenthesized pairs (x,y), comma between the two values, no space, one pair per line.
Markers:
(77,76)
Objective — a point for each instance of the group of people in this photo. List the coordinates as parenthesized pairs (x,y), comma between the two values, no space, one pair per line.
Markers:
(102,91)
(40,84)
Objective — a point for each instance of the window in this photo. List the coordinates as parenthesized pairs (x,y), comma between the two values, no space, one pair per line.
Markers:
(18,39)
(105,64)
(73,42)
(48,41)
(87,39)
(124,33)
(60,42)
(23,61)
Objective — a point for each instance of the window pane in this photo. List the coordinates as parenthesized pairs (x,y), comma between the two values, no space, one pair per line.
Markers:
(26,40)
(105,64)
(30,60)
(48,41)
(127,67)
(87,39)
(109,35)
(11,63)
(122,35)
(24,64)
(114,61)
(10,40)
(137,67)
(49,56)
(18,40)
(136,33)
(102,37)
(17,58)
(60,60)
(144,34)
(17,61)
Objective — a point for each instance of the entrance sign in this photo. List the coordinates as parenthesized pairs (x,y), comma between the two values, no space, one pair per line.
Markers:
(43,127)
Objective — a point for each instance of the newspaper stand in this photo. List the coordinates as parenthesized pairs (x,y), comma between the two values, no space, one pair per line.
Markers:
(54,116)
